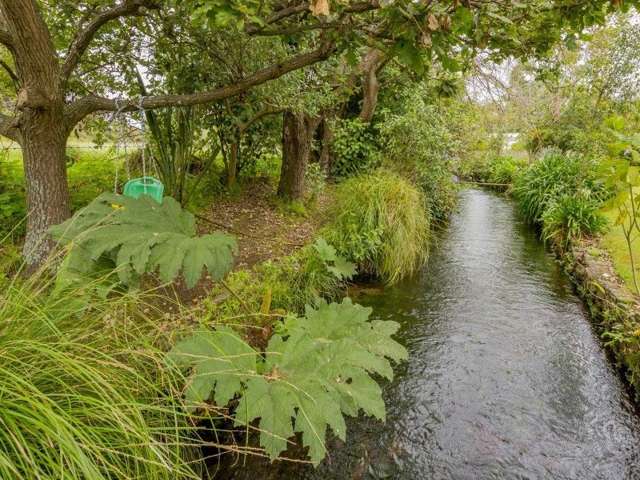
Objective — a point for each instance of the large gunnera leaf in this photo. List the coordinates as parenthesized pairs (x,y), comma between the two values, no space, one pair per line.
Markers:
(137,236)
(315,370)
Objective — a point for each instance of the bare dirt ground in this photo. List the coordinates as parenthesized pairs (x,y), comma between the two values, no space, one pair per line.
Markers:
(261,224)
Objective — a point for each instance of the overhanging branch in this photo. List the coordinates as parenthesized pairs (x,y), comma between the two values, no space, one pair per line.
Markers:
(9,127)
(79,109)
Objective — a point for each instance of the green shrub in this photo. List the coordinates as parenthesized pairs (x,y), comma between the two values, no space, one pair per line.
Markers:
(571,217)
(354,148)
(505,169)
(553,176)
(381,222)
(314,370)
(134,236)
(80,392)
(421,143)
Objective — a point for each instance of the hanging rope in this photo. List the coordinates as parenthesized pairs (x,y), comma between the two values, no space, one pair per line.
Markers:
(144,145)
(115,115)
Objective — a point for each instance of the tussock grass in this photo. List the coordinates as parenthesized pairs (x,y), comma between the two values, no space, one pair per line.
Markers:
(83,394)
(561,193)
(380,221)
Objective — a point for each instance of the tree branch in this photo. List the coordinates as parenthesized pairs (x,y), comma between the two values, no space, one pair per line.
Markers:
(5,38)
(79,109)
(11,73)
(9,127)
(84,37)
(258,116)
(253,29)
(277,16)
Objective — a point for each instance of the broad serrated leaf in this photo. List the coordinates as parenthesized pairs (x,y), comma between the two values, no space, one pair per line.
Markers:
(342,269)
(312,373)
(142,236)
(274,403)
(338,266)
(220,361)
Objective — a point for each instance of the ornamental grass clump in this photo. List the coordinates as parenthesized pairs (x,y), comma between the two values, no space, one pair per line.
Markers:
(554,176)
(380,222)
(81,391)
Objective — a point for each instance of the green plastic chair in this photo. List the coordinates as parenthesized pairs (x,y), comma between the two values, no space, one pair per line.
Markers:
(144,186)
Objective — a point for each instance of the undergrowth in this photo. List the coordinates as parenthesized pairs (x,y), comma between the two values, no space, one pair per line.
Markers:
(81,394)
(561,193)
(380,221)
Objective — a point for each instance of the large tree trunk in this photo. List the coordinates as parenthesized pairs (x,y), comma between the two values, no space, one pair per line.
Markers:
(46,180)
(42,124)
(297,136)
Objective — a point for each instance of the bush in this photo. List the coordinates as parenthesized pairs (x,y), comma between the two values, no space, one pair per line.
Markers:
(82,396)
(553,176)
(421,142)
(354,148)
(381,222)
(571,217)
(505,169)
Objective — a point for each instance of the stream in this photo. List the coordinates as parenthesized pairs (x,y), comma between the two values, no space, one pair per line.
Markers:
(506,378)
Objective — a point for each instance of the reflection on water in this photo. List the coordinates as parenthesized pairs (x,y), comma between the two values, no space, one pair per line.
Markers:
(505,379)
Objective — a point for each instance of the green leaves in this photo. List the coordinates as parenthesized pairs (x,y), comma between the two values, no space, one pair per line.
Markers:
(220,361)
(337,265)
(137,236)
(315,370)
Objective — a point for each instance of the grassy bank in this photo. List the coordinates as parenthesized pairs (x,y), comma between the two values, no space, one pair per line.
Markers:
(81,394)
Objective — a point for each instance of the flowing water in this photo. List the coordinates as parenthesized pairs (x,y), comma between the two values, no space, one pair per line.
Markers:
(505,379)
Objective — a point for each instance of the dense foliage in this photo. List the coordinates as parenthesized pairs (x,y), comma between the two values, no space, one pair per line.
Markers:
(354,148)
(137,236)
(381,222)
(422,139)
(314,370)
(553,176)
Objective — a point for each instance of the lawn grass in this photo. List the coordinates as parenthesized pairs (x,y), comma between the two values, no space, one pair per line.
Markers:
(614,242)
